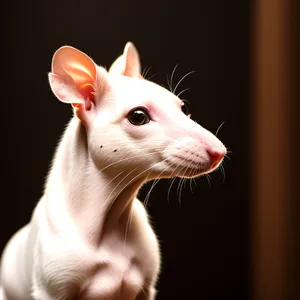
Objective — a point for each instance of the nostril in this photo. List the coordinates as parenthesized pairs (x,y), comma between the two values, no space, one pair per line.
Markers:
(216,156)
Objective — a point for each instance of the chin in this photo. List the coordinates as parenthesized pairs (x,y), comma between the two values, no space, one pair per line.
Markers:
(181,171)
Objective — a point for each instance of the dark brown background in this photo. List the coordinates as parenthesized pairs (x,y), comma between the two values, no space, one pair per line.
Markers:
(205,241)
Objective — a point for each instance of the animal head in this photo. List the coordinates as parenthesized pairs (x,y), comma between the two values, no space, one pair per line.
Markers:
(132,123)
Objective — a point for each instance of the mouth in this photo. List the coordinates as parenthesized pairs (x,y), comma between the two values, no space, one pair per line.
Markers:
(183,167)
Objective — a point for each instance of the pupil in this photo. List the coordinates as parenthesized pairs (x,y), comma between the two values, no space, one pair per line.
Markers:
(184,108)
(138,115)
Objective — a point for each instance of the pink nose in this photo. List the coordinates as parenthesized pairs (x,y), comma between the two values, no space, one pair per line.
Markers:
(216,156)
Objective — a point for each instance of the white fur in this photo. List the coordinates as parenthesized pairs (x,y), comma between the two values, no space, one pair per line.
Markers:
(89,236)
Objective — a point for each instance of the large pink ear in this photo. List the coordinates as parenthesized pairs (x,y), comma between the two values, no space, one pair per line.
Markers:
(128,64)
(76,79)
(73,76)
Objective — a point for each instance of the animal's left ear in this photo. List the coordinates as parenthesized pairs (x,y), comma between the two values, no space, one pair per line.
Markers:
(128,64)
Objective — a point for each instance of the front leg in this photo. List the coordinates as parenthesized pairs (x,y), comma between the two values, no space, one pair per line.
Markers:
(41,292)
(2,296)
(58,271)
(41,295)
(147,294)
(58,285)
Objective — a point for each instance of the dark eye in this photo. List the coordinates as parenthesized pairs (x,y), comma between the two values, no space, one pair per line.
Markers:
(138,116)
(184,108)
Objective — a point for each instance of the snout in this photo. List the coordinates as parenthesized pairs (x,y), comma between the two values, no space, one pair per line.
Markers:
(216,155)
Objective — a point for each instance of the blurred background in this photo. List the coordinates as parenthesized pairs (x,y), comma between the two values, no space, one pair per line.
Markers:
(233,236)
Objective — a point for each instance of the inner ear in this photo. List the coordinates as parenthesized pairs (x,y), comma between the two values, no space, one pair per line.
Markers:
(133,65)
(70,64)
(128,64)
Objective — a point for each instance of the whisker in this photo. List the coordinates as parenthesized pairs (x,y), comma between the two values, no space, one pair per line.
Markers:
(208,180)
(190,179)
(155,183)
(97,185)
(128,185)
(216,134)
(128,158)
(142,73)
(147,71)
(186,75)
(178,95)
(168,82)
(195,182)
(107,198)
(223,171)
(172,76)
(126,231)
(135,178)
(190,184)
(128,224)
(178,189)
(226,156)
(181,183)
(170,187)
(106,184)
(149,192)
(152,76)
(173,179)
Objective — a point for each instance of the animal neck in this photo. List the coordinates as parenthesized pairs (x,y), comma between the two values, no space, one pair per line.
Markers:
(80,196)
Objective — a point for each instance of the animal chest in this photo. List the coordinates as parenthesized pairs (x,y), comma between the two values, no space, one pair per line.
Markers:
(127,266)
(124,265)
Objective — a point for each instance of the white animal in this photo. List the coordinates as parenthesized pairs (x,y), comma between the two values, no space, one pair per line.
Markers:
(89,236)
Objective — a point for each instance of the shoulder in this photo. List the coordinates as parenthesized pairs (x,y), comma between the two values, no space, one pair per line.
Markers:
(139,208)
